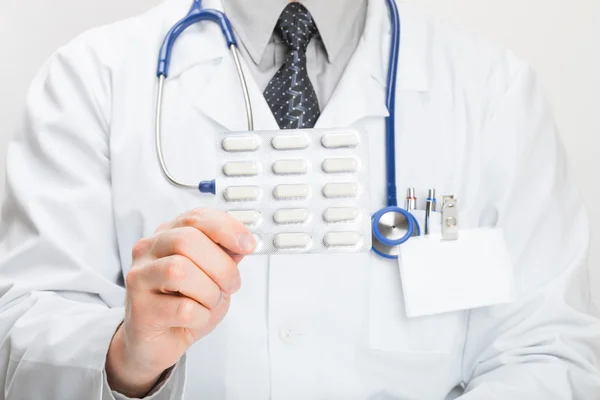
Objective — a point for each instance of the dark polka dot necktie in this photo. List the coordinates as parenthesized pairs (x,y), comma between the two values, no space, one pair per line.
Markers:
(290,94)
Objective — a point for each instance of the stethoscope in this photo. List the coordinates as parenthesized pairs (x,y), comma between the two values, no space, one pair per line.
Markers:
(391,226)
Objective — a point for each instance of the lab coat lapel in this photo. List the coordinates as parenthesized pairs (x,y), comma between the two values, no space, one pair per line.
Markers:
(359,93)
(361,90)
(357,96)
(223,101)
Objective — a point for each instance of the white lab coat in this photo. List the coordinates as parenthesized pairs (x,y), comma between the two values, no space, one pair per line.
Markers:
(84,185)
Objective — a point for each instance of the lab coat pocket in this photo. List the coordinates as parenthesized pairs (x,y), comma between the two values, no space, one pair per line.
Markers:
(419,302)
(442,274)
(391,330)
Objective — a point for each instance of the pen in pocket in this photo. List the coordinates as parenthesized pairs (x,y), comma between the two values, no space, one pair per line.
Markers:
(430,205)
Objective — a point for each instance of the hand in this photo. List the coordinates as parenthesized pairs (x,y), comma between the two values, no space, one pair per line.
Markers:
(178,291)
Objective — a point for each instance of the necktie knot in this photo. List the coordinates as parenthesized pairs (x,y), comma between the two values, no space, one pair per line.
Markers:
(296,26)
(290,94)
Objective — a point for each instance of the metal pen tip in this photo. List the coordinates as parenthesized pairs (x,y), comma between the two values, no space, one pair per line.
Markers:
(411,199)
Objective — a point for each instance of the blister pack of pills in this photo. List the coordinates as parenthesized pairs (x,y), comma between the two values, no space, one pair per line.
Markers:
(298,191)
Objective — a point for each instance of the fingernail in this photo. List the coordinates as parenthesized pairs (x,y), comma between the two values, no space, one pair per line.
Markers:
(247,243)
(220,301)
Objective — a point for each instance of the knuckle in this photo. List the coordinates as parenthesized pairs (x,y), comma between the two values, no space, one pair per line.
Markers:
(141,248)
(185,311)
(188,219)
(206,216)
(174,269)
(133,277)
(183,240)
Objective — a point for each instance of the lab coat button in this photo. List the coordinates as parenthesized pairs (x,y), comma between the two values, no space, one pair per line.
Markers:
(288,334)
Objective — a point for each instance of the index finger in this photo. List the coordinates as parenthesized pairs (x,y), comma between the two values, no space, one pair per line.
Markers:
(221,228)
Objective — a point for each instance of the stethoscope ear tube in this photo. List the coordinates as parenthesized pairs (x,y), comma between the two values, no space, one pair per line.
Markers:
(195,15)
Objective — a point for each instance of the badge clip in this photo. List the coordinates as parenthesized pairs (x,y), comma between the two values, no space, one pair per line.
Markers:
(449,218)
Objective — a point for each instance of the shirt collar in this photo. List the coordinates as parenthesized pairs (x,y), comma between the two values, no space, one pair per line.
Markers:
(415,47)
(254,22)
(336,20)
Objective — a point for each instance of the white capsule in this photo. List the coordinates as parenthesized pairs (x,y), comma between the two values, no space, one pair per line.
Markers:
(337,165)
(339,140)
(291,216)
(337,190)
(290,142)
(341,239)
(285,241)
(240,169)
(241,193)
(283,192)
(341,214)
(290,167)
(241,143)
(246,217)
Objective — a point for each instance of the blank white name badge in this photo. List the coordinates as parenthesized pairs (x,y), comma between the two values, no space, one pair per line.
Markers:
(444,276)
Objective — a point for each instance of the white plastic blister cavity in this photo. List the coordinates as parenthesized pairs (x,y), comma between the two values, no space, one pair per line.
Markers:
(298,191)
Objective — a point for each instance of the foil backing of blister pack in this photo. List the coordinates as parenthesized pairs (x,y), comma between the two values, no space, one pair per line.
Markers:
(255,162)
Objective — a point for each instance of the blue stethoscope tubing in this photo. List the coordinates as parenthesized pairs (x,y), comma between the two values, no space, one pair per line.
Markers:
(390,147)
(197,14)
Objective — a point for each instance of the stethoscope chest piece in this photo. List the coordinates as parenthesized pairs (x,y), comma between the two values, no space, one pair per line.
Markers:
(385,251)
(392,226)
